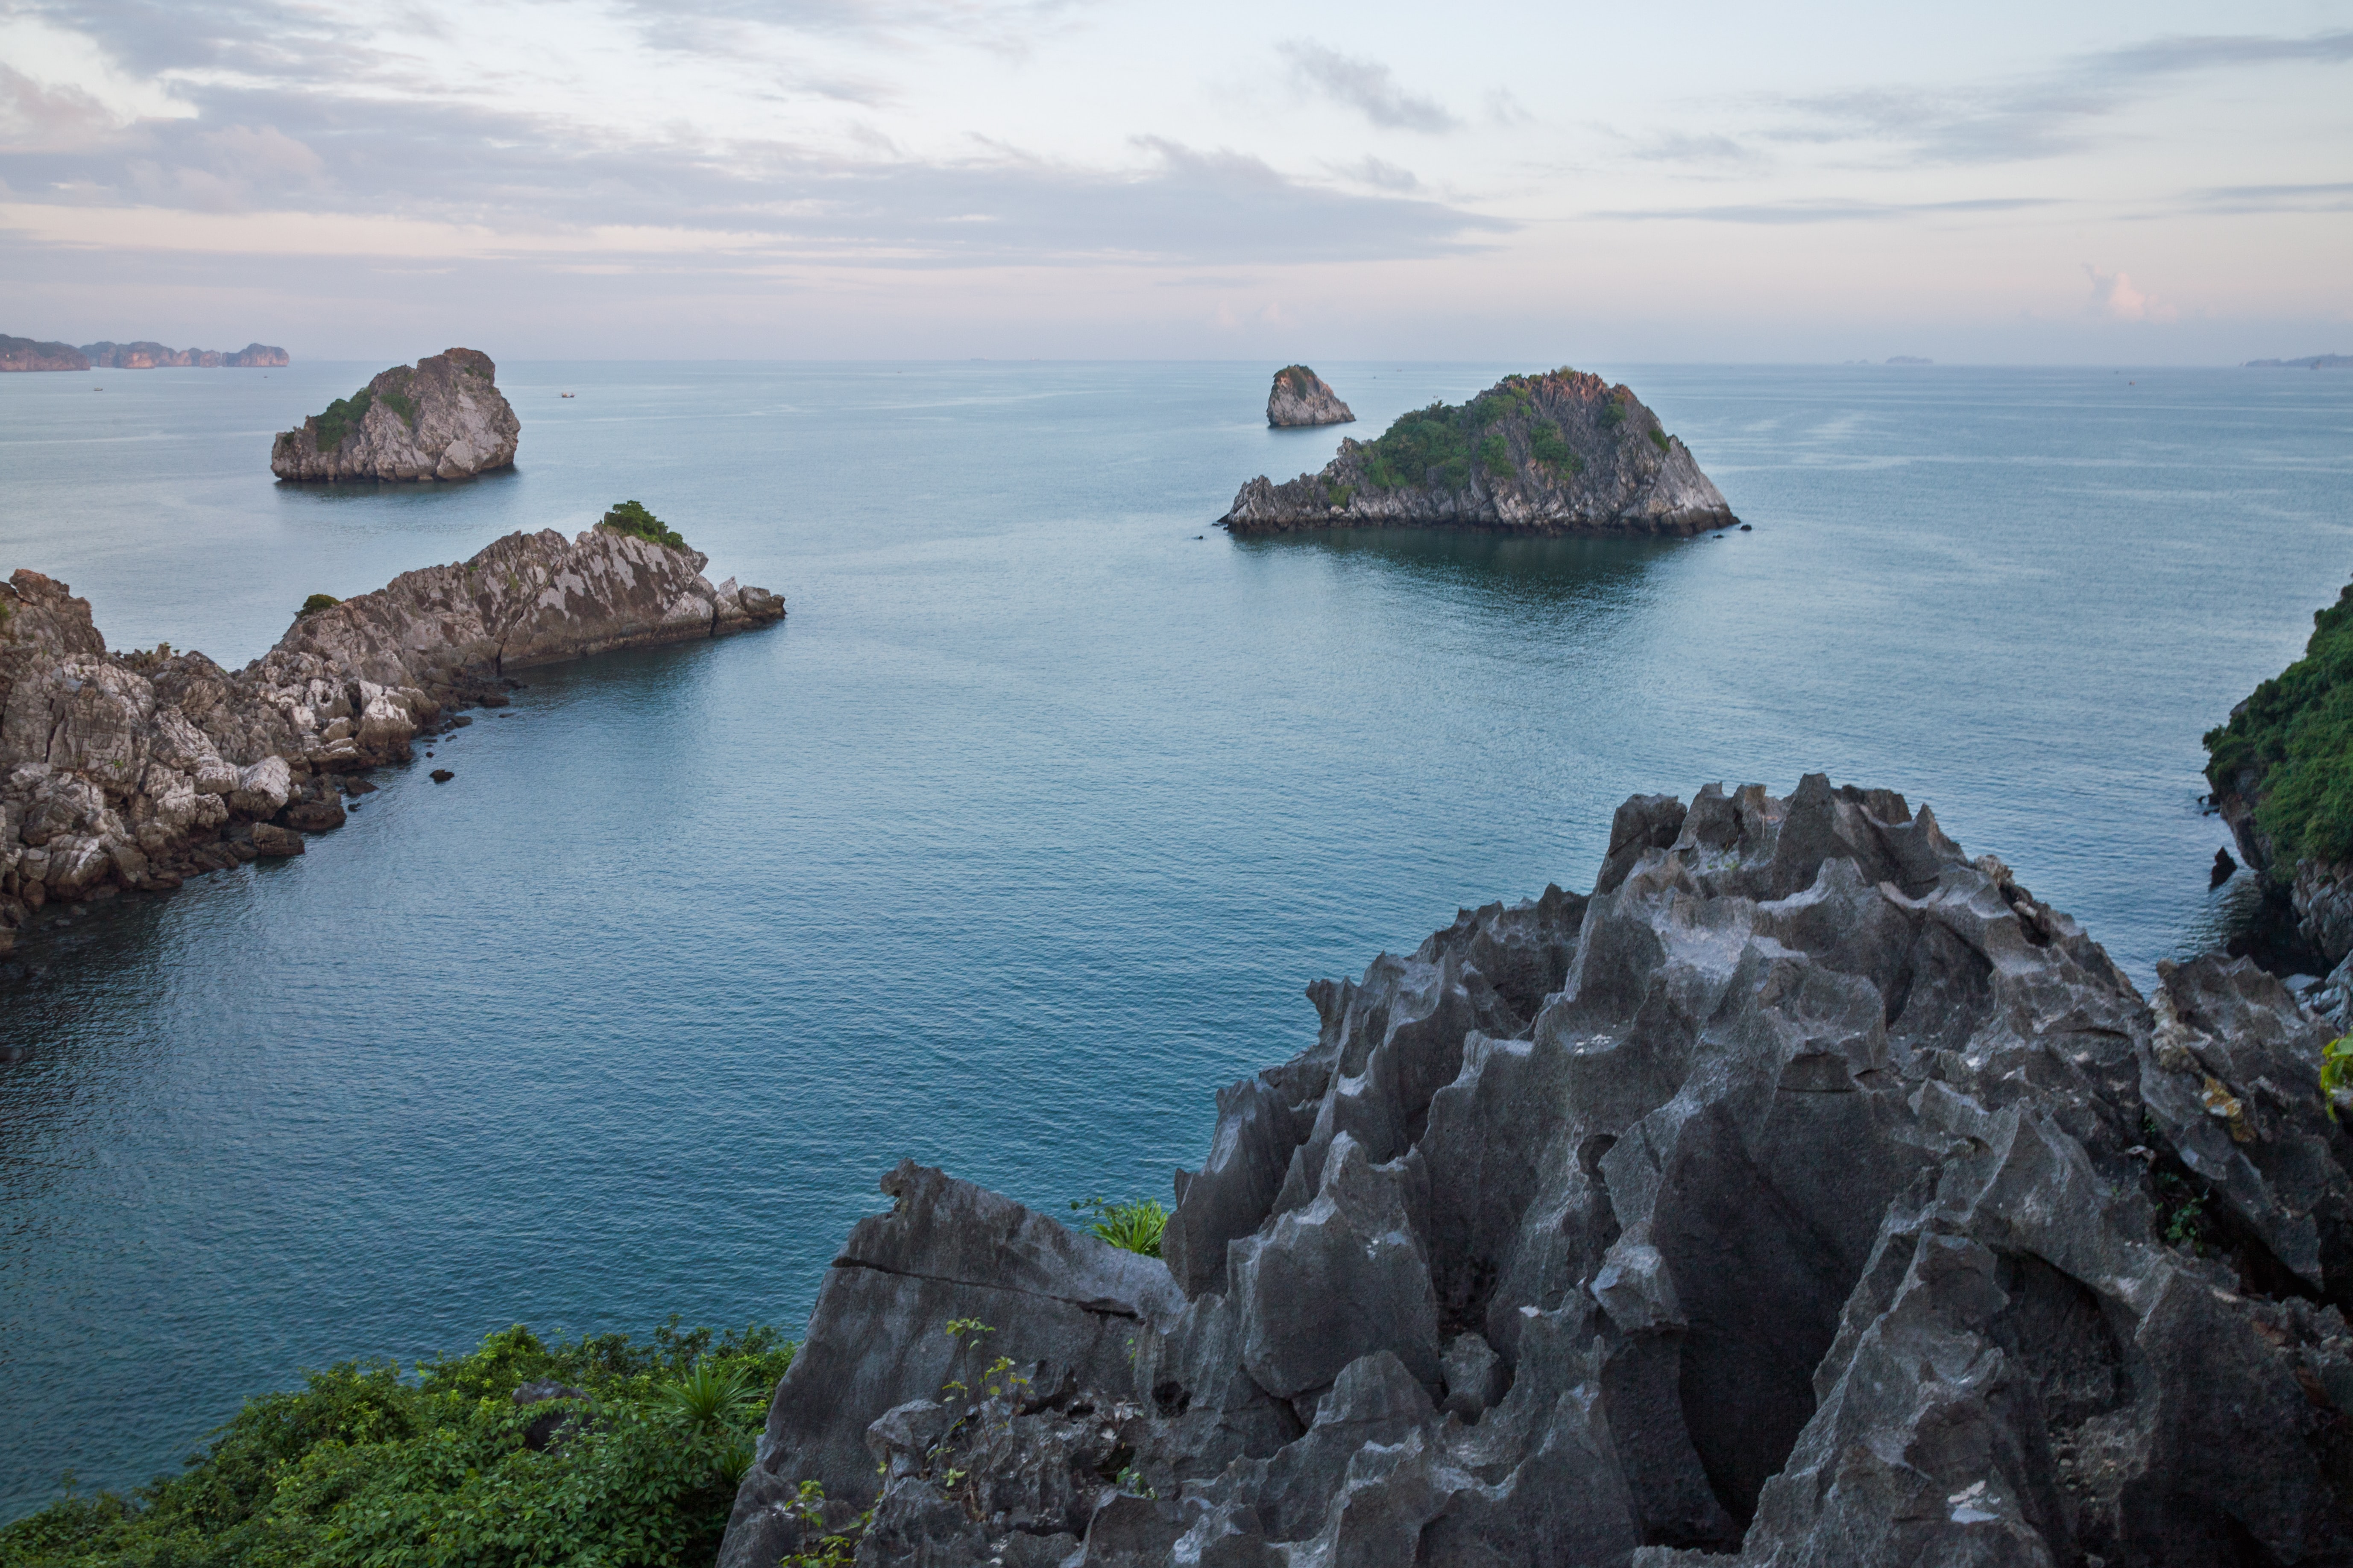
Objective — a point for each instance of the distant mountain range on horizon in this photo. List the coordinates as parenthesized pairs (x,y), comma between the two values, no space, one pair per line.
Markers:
(2310,362)
(26,354)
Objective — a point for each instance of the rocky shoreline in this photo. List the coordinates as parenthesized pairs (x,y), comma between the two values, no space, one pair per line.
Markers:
(1808,1193)
(1561,453)
(138,770)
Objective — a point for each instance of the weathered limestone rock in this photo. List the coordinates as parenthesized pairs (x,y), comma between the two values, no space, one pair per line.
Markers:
(126,770)
(1555,454)
(1809,1193)
(441,418)
(1300,396)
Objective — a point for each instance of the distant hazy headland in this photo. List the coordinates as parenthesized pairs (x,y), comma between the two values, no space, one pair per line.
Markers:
(2310,362)
(26,353)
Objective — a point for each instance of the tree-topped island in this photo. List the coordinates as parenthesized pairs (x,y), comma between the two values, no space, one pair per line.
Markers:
(1558,453)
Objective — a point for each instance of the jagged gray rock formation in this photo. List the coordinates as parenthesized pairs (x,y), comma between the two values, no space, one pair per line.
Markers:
(1300,397)
(138,770)
(1808,1194)
(441,418)
(1553,454)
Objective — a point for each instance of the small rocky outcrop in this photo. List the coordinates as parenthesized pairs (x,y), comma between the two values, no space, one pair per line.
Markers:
(25,354)
(1300,396)
(138,770)
(1808,1193)
(440,419)
(144,355)
(1556,454)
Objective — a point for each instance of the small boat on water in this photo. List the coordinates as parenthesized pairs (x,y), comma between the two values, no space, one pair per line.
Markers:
(565,395)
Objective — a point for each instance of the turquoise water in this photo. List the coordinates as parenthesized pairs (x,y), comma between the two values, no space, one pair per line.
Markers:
(1022,834)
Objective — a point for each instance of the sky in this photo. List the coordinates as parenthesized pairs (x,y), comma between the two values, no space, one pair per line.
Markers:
(2154,182)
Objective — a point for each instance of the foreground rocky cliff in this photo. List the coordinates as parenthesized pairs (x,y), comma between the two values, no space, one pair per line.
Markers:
(1808,1194)
(2278,766)
(441,418)
(1300,397)
(135,771)
(1553,454)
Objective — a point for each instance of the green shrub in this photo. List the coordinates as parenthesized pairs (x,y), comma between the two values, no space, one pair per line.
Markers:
(1339,495)
(400,402)
(1547,445)
(1137,1227)
(341,419)
(2295,732)
(317,602)
(1613,412)
(364,1468)
(1495,455)
(1660,439)
(628,517)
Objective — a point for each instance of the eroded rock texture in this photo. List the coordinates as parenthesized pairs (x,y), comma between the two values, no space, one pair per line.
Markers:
(1300,397)
(1808,1194)
(1559,453)
(440,419)
(138,770)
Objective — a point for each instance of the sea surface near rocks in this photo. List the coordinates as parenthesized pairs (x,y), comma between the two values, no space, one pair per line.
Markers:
(1022,834)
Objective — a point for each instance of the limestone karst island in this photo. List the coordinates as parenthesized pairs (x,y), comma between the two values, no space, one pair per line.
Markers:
(1561,453)
(440,419)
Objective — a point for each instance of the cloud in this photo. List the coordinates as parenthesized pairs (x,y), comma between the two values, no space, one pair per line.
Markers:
(2036,117)
(2333,197)
(2114,297)
(1827,211)
(1366,86)
(1380,175)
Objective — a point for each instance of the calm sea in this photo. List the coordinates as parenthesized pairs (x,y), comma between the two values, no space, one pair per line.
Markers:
(1025,831)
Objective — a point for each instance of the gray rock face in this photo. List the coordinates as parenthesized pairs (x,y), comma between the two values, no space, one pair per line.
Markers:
(125,770)
(1808,1194)
(441,418)
(1556,454)
(1300,397)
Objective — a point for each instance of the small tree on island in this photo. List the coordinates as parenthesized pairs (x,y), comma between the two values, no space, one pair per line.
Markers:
(629,517)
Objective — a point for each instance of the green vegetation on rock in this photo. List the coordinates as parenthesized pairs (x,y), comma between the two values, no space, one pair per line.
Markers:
(2294,734)
(1660,439)
(342,418)
(1137,1227)
(1444,444)
(362,1468)
(317,602)
(629,517)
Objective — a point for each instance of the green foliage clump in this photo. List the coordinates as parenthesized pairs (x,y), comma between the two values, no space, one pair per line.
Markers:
(1547,445)
(1440,444)
(1137,1227)
(2336,1072)
(341,419)
(1339,495)
(362,1468)
(1613,412)
(400,402)
(317,602)
(2295,732)
(1298,377)
(628,517)
(1660,439)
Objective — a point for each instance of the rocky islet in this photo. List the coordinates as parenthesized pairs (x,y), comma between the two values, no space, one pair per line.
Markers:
(440,419)
(138,770)
(1560,453)
(1300,397)
(1808,1193)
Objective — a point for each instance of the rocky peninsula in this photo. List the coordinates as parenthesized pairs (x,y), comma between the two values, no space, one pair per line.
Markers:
(440,419)
(1807,1194)
(138,770)
(1560,453)
(1300,397)
(25,354)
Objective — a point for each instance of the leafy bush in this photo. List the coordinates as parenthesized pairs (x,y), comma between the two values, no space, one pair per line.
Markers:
(1613,413)
(1660,439)
(628,517)
(317,602)
(1440,445)
(2295,732)
(1548,446)
(363,1469)
(1495,456)
(1137,1227)
(400,402)
(1298,378)
(341,419)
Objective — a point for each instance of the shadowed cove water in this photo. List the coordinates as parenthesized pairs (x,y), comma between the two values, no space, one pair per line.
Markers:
(1025,831)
